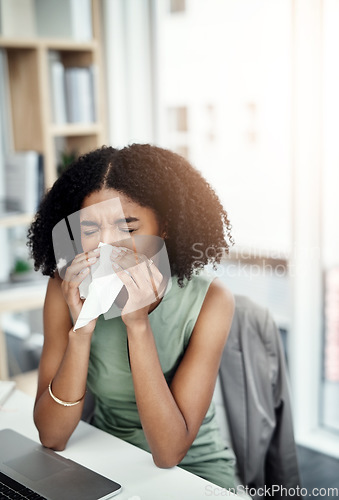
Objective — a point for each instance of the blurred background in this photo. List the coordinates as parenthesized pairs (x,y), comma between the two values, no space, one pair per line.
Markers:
(247,91)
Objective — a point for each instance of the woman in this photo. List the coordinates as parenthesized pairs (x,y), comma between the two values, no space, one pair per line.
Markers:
(153,370)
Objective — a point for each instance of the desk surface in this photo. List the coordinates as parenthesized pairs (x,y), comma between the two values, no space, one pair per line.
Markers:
(130,466)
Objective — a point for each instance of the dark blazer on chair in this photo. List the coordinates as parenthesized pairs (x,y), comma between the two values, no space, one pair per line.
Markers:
(256,398)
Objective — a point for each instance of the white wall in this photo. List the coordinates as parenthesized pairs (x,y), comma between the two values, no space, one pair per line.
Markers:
(129,75)
(236,57)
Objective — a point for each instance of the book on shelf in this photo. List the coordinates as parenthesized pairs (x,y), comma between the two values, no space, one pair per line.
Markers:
(17,18)
(80,94)
(24,181)
(72,92)
(58,94)
(5,132)
(64,19)
(5,99)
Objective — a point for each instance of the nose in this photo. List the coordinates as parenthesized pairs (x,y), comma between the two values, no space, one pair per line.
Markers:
(110,236)
(107,236)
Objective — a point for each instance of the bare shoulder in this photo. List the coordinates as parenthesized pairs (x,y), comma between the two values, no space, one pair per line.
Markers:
(216,313)
(54,290)
(219,298)
(54,284)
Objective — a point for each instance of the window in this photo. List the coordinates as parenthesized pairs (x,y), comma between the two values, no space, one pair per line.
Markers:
(177,6)
(177,119)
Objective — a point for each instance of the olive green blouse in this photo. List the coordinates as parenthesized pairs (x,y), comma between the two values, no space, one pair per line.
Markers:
(110,378)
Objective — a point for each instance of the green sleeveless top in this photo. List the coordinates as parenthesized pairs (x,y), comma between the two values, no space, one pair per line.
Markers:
(110,378)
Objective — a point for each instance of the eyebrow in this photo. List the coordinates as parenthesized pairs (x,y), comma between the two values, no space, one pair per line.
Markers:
(127,220)
(118,221)
(88,223)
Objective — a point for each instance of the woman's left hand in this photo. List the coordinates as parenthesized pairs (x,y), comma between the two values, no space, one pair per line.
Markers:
(143,281)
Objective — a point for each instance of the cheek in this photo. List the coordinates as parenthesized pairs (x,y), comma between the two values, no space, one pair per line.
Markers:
(149,241)
(89,244)
(153,227)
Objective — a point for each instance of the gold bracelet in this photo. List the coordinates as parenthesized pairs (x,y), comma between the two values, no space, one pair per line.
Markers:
(60,401)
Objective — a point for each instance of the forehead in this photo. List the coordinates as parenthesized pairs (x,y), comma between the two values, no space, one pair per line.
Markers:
(106,195)
(111,205)
(107,202)
(109,208)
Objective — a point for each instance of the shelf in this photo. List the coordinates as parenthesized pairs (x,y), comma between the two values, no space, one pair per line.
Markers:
(15,220)
(48,43)
(75,129)
(23,296)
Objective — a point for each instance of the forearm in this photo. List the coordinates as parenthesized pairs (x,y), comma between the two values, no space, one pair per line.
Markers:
(54,421)
(163,423)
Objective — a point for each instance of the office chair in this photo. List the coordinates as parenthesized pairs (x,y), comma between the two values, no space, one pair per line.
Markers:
(255,392)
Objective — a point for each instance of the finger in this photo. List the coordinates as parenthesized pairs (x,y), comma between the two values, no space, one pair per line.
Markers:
(119,252)
(147,285)
(74,270)
(124,260)
(77,279)
(154,271)
(125,275)
(128,260)
(87,255)
(155,285)
(159,282)
(78,265)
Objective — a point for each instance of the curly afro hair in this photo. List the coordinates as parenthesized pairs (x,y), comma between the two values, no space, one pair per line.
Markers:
(152,177)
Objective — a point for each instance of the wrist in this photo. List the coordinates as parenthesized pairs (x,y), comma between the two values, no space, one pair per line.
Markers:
(82,336)
(138,326)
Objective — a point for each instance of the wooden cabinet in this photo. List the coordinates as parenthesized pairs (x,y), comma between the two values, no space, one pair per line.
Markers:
(33,127)
(30,90)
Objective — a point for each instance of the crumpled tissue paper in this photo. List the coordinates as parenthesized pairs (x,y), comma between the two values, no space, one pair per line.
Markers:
(99,289)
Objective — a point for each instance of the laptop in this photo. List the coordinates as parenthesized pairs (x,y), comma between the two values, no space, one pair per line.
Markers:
(48,474)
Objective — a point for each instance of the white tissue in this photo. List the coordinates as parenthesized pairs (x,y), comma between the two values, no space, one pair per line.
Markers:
(99,289)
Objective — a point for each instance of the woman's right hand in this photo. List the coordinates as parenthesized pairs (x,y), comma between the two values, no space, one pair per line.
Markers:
(74,276)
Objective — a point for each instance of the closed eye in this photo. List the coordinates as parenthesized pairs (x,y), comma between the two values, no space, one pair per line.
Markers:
(88,233)
(89,227)
(127,229)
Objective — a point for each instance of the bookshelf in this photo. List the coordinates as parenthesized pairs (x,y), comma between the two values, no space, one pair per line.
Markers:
(30,90)
(33,128)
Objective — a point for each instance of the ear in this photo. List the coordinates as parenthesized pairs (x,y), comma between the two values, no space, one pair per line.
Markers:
(164,229)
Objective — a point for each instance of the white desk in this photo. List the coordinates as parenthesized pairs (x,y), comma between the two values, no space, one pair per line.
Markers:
(18,298)
(130,466)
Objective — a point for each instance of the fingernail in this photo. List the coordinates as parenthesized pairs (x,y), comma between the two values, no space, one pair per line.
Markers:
(92,260)
(84,271)
(115,265)
(96,250)
(116,250)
